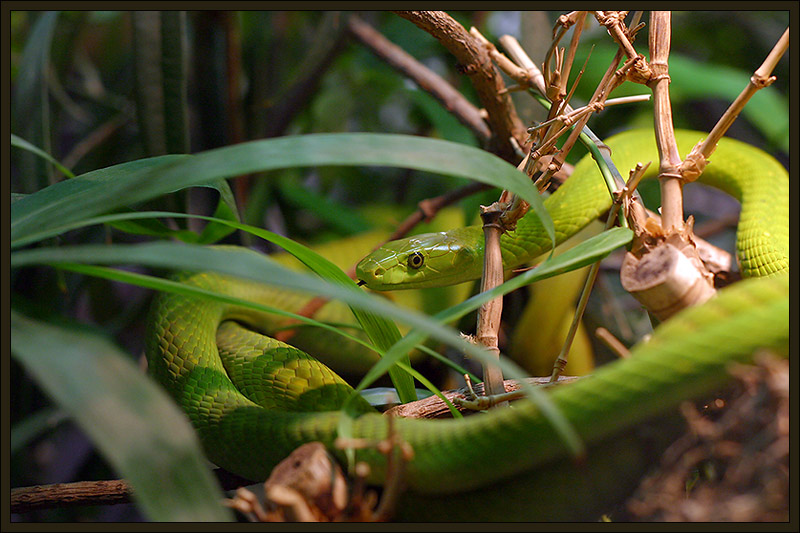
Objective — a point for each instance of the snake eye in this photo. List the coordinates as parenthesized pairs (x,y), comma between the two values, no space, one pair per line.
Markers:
(416,260)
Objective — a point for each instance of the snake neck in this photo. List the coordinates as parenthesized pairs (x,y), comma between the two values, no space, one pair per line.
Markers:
(754,178)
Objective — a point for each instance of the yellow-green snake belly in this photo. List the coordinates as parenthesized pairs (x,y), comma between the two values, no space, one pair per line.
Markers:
(253,399)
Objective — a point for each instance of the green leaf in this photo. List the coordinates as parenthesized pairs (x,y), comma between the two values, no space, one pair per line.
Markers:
(214,231)
(129,183)
(166,285)
(31,110)
(152,228)
(70,201)
(133,422)
(146,223)
(25,145)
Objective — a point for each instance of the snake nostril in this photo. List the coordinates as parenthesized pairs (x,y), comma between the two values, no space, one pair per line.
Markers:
(378,272)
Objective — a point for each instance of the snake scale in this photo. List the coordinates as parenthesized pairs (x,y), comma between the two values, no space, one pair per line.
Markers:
(253,399)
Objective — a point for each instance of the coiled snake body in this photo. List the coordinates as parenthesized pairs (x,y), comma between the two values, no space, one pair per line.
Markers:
(253,399)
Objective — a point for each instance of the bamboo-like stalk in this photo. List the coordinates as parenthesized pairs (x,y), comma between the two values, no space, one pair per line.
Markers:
(670,159)
(490,313)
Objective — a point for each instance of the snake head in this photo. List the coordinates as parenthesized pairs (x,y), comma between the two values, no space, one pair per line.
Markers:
(426,260)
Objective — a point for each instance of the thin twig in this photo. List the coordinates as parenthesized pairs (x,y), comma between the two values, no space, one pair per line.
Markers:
(109,492)
(434,407)
(475,62)
(622,199)
(570,57)
(451,99)
(612,342)
(95,138)
(696,161)
(613,21)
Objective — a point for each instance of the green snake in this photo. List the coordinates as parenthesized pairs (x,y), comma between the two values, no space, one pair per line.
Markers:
(253,399)
(348,357)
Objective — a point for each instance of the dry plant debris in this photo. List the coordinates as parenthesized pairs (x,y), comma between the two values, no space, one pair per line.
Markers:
(732,465)
(309,486)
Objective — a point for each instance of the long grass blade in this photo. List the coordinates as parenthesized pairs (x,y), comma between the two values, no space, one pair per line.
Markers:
(140,431)
(131,183)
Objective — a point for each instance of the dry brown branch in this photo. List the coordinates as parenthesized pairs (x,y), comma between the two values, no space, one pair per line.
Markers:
(452,100)
(474,61)
(514,71)
(634,211)
(696,160)
(109,492)
(715,259)
(553,132)
(570,57)
(434,407)
(664,270)
(613,21)
(533,76)
(552,77)
(560,119)
(104,492)
(561,115)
